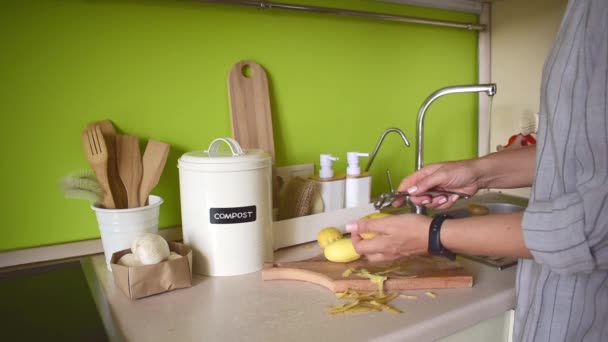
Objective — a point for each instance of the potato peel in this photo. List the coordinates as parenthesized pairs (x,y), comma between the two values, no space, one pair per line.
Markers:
(356,309)
(389,270)
(408,296)
(374,300)
(385,307)
(363,302)
(348,272)
(342,307)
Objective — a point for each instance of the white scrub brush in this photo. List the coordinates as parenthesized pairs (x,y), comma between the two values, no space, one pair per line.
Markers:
(81,184)
(528,124)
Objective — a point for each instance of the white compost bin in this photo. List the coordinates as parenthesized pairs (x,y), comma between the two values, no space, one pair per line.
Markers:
(226,204)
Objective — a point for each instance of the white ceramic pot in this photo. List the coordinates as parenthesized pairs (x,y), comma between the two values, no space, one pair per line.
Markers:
(120,227)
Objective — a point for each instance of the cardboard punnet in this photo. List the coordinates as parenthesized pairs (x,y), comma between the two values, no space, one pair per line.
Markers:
(142,281)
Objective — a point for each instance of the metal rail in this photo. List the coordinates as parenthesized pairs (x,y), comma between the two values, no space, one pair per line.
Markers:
(352,13)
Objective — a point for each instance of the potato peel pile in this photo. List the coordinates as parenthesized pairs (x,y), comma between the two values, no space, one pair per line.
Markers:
(363,301)
(366,301)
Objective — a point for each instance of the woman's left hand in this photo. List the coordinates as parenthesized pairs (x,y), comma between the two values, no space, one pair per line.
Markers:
(397,236)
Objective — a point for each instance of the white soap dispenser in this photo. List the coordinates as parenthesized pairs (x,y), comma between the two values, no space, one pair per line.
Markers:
(358,185)
(330,186)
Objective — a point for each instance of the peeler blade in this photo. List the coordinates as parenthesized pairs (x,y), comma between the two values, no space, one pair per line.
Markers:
(385,199)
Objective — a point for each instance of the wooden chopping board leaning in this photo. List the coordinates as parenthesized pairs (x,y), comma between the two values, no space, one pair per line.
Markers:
(250,113)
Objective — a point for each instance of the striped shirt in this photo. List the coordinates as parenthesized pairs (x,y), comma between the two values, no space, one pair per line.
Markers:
(562,294)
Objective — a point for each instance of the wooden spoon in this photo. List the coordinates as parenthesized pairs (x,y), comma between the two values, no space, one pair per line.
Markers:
(155,157)
(129,166)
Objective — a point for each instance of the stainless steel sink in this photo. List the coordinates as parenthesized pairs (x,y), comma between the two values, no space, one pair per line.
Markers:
(493,208)
(496,203)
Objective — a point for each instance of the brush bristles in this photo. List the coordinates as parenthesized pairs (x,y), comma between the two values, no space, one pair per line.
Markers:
(528,123)
(81,184)
(90,196)
(84,173)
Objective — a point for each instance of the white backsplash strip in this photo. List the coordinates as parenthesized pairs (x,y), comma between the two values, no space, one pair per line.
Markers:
(68,250)
(285,234)
(305,229)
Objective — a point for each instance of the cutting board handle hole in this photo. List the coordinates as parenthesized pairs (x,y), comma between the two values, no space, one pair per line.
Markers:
(247,71)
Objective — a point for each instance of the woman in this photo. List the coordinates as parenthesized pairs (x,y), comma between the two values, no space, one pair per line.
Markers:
(562,237)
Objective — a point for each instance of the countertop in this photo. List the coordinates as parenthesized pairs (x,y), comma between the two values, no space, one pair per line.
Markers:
(246,308)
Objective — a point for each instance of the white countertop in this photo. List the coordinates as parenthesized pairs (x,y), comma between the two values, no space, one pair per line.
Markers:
(245,308)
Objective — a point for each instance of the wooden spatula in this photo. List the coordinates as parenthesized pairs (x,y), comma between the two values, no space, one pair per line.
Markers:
(129,166)
(118,189)
(250,111)
(154,159)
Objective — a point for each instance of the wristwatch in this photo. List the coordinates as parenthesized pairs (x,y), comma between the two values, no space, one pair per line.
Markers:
(435,246)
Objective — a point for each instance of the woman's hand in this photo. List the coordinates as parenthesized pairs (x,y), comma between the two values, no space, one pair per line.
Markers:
(397,236)
(456,176)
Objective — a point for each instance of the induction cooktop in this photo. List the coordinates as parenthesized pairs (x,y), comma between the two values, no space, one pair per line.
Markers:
(52,302)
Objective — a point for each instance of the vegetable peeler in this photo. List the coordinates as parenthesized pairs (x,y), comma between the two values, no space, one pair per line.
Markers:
(387,198)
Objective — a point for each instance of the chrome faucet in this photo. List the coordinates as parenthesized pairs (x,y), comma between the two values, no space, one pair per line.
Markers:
(489,89)
(384,134)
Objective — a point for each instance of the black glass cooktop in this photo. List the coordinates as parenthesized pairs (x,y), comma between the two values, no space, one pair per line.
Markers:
(49,303)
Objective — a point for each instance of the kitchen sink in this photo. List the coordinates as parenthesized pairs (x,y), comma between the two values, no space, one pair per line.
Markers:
(495,203)
(493,208)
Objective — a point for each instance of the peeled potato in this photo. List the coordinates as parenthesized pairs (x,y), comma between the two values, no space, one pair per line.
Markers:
(478,210)
(341,251)
(376,215)
(327,236)
(367,236)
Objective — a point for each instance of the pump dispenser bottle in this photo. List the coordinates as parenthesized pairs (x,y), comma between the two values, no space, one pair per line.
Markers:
(331,187)
(358,185)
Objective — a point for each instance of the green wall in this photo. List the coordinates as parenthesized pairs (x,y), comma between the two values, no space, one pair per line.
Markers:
(158,69)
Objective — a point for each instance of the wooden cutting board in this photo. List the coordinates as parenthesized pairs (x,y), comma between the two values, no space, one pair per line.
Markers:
(431,273)
(251,117)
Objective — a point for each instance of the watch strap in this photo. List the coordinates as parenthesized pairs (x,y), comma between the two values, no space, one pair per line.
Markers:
(435,246)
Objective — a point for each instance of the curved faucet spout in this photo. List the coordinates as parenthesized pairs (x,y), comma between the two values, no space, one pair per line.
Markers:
(384,134)
(489,89)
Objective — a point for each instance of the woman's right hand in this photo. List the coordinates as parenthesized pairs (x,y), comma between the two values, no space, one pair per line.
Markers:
(456,176)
